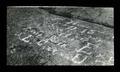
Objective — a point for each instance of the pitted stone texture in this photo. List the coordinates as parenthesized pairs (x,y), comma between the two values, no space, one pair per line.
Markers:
(62,37)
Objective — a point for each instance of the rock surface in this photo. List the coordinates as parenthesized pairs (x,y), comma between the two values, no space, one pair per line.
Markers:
(99,15)
(36,36)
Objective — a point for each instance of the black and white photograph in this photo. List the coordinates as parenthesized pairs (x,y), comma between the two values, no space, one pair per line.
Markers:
(60,35)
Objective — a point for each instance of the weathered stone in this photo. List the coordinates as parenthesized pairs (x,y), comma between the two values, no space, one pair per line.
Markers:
(73,37)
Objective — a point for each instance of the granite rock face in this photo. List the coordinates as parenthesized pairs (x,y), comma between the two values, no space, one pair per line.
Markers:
(35,36)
